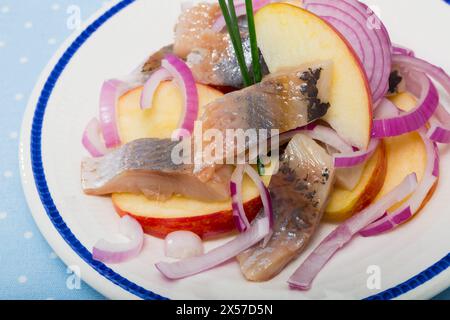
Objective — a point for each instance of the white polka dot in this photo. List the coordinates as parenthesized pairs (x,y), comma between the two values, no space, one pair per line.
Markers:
(55,7)
(23,60)
(5,9)
(53,255)
(2,44)
(28,25)
(28,235)
(13,135)
(18,96)
(22,279)
(3,215)
(7,174)
(51,41)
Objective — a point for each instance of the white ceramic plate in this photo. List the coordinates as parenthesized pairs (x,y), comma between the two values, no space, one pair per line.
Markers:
(413,260)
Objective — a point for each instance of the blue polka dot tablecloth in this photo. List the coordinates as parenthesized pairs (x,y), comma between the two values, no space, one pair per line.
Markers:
(30,33)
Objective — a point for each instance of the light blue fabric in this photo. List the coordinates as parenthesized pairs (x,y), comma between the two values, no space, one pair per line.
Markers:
(30,32)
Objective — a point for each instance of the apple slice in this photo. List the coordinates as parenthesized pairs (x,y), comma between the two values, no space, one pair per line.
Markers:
(206,219)
(344,203)
(406,154)
(160,120)
(289,36)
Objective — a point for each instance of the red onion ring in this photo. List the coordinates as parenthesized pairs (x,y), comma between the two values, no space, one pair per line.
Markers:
(413,120)
(347,21)
(438,132)
(239,216)
(306,273)
(386,46)
(412,206)
(330,137)
(347,158)
(109,252)
(110,93)
(263,192)
(151,85)
(185,79)
(355,158)
(440,129)
(431,70)
(257,232)
(92,139)
(191,266)
(352,37)
(398,49)
(373,46)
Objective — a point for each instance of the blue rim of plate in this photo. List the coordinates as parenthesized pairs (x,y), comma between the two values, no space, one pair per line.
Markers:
(69,237)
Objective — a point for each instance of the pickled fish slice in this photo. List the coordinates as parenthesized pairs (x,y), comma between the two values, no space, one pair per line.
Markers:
(145,166)
(299,194)
(282,101)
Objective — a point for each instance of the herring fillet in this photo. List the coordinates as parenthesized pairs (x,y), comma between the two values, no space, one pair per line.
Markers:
(299,194)
(145,166)
(210,55)
(283,101)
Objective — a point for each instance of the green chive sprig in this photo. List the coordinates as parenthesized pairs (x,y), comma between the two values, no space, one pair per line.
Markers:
(229,14)
(257,74)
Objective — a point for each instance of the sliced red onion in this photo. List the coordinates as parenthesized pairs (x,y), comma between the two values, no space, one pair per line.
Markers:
(330,137)
(431,70)
(439,133)
(185,79)
(375,24)
(239,216)
(258,231)
(355,158)
(182,245)
(413,120)
(110,252)
(240,8)
(347,20)
(152,85)
(440,126)
(92,139)
(348,158)
(343,234)
(349,34)
(263,192)
(372,45)
(110,93)
(412,206)
(191,266)
(398,49)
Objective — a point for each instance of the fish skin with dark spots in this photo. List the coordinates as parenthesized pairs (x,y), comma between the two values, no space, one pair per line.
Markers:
(299,194)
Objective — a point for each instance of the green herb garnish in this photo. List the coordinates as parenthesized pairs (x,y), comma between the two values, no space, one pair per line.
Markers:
(257,74)
(229,15)
(261,167)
